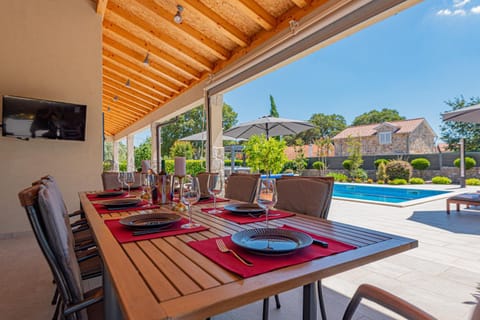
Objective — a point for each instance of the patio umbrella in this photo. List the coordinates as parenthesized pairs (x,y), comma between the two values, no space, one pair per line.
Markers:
(270,126)
(469,114)
(202,136)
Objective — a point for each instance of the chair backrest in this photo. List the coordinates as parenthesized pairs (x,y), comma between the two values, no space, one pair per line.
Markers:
(110,180)
(242,187)
(308,195)
(45,212)
(202,181)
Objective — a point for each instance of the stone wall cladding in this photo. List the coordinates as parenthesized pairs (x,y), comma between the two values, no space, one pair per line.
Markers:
(422,140)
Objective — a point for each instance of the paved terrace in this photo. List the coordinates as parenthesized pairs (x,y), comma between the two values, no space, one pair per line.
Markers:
(441,276)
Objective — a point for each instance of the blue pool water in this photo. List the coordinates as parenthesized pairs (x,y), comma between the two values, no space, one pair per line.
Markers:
(382,194)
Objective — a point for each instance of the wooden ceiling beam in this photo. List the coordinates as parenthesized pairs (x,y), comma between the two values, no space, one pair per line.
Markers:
(115,119)
(121,109)
(147,75)
(118,13)
(224,26)
(197,37)
(300,3)
(112,78)
(121,35)
(128,111)
(138,59)
(256,12)
(123,90)
(134,104)
(101,8)
(119,70)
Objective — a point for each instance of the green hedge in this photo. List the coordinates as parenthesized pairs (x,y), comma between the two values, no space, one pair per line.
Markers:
(420,163)
(339,177)
(193,166)
(397,181)
(472,182)
(238,162)
(319,165)
(469,163)
(417,181)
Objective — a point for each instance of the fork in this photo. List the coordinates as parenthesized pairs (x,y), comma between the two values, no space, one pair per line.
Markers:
(223,248)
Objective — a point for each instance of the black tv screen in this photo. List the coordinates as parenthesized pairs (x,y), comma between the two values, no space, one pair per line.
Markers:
(27,118)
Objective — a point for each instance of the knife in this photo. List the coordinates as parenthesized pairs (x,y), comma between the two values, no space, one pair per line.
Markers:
(322,244)
(149,231)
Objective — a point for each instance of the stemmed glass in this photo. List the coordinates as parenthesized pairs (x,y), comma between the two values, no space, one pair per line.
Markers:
(215,186)
(190,194)
(129,180)
(121,178)
(148,184)
(267,195)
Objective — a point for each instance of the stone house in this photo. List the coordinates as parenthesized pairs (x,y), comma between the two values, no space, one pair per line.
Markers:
(413,136)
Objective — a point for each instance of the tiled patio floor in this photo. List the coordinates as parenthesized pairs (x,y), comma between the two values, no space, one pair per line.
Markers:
(441,276)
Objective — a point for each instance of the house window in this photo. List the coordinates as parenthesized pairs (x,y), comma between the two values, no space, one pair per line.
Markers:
(385,137)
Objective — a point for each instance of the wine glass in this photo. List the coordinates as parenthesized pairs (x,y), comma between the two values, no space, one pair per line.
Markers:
(121,178)
(190,194)
(148,184)
(214,186)
(267,195)
(129,180)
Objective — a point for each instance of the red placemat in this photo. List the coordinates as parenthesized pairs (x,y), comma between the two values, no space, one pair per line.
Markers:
(143,205)
(124,235)
(210,200)
(94,197)
(265,263)
(244,219)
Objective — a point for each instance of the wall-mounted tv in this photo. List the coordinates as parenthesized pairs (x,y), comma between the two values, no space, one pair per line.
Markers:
(27,118)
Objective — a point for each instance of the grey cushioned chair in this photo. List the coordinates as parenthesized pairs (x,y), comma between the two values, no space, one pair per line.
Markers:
(308,195)
(242,187)
(45,213)
(110,180)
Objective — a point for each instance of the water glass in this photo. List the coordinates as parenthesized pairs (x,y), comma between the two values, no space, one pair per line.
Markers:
(129,180)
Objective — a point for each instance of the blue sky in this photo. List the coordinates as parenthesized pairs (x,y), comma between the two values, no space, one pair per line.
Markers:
(411,62)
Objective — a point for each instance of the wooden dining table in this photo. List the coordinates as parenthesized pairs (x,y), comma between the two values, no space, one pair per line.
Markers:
(165,278)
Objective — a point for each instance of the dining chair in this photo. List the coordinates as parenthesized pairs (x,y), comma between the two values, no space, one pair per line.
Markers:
(203,183)
(45,213)
(110,181)
(391,302)
(242,187)
(308,195)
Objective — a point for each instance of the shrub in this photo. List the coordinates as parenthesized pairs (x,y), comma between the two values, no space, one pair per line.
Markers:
(182,149)
(472,182)
(228,162)
(469,163)
(289,165)
(319,165)
(397,182)
(441,180)
(339,177)
(380,181)
(359,175)
(417,181)
(420,163)
(398,169)
(377,162)
(107,165)
(347,164)
(369,180)
(381,172)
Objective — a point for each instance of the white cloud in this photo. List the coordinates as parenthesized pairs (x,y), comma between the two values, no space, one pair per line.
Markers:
(460,3)
(475,10)
(444,12)
(459,12)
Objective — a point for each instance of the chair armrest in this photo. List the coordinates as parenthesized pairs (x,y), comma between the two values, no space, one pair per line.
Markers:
(94,298)
(76,213)
(88,256)
(386,300)
(85,245)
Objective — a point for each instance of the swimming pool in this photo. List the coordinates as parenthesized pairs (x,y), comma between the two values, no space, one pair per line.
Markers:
(385,194)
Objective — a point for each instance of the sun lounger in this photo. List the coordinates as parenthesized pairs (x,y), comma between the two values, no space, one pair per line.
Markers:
(469,199)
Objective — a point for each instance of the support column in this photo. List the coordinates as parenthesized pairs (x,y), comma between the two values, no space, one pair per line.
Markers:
(215,154)
(130,153)
(154,158)
(116,157)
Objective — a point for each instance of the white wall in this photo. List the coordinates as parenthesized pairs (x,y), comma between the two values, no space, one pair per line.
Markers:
(50,49)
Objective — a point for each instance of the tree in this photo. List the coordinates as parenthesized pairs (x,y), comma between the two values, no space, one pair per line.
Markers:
(300,160)
(265,155)
(192,122)
(143,152)
(452,131)
(182,149)
(326,126)
(375,116)
(273,108)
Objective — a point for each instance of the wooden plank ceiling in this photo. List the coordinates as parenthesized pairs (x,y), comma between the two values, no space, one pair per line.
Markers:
(212,35)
